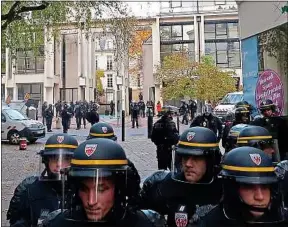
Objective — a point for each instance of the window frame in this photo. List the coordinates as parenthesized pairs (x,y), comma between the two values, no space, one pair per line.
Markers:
(109,63)
(109,80)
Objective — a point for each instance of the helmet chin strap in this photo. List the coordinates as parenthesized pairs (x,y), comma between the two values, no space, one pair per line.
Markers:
(253,208)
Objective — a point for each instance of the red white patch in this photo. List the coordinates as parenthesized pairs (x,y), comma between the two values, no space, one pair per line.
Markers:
(256,158)
(60,139)
(190,136)
(90,149)
(181,219)
(104,129)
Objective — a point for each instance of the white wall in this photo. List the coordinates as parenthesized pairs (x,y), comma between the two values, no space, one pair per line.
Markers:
(258,16)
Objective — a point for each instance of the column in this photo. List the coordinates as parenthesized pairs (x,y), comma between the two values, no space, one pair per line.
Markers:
(79,54)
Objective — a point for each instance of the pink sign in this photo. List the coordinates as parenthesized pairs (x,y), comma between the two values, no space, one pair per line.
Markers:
(269,86)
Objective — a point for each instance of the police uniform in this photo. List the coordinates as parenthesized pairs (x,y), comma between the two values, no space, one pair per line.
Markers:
(242,116)
(276,125)
(246,165)
(104,130)
(164,136)
(209,121)
(35,197)
(170,194)
(95,159)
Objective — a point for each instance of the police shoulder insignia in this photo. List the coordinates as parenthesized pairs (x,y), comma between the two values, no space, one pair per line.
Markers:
(181,217)
(90,149)
(190,135)
(104,129)
(256,158)
(60,139)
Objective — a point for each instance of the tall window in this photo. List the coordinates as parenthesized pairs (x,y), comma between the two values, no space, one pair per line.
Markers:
(109,63)
(33,89)
(109,45)
(27,62)
(223,44)
(96,62)
(109,80)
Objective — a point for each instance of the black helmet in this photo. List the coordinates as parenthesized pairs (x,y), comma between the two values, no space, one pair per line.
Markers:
(258,137)
(166,111)
(197,141)
(267,105)
(233,136)
(102,130)
(249,166)
(244,104)
(103,163)
(242,115)
(59,148)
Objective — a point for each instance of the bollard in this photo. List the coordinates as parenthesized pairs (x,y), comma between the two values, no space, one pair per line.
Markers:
(123,125)
(178,123)
(149,121)
(22,144)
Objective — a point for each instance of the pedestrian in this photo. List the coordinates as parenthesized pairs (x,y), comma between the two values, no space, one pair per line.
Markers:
(66,116)
(49,114)
(112,108)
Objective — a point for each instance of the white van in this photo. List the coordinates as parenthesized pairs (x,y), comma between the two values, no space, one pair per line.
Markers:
(15,125)
(227,104)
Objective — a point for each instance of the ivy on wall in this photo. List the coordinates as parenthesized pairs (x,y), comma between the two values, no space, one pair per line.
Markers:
(275,43)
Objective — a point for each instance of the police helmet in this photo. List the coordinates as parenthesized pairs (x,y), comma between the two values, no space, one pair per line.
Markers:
(197,141)
(103,163)
(233,136)
(244,104)
(249,166)
(57,154)
(242,115)
(267,105)
(102,130)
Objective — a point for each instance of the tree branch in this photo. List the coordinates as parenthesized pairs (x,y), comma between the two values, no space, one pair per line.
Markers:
(13,14)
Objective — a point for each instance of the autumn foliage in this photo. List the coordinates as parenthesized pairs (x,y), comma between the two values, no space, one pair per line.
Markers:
(135,48)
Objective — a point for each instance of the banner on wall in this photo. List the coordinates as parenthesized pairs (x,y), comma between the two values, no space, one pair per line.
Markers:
(270,86)
(250,70)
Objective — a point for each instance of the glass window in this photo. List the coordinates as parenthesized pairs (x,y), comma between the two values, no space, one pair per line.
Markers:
(221,30)
(222,57)
(109,63)
(110,80)
(166,48)
(14,114)
(165,32)
(234,59)
(40,64)
(233,30)
(176,3)
(177,31)
(10,93)
(221,46)
(209,31)
(190,47)
(177,47)
(35,88)
(188,32)
(210,48)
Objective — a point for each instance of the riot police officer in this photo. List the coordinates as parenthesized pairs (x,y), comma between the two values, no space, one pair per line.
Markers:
(207,120)
(104,130)
(229,139)
(276,125)
(184,111)
(49,114)
(258,137)
(92,116)
(252,194)
(97,188)
(35,197)
(189,191)
(164,136)
(66,116)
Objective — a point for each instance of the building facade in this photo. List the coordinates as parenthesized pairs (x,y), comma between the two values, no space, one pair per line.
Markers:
(200,28)
(264,77)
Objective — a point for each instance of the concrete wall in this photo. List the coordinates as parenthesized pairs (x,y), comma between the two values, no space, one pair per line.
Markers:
(71,61)
(148,78)
(258,16)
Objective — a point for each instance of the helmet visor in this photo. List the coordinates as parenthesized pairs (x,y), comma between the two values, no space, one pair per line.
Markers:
(194,168)
(98,193)
(51,164)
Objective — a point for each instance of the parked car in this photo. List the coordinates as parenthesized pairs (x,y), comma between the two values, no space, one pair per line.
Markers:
(227,104)
(16,125)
